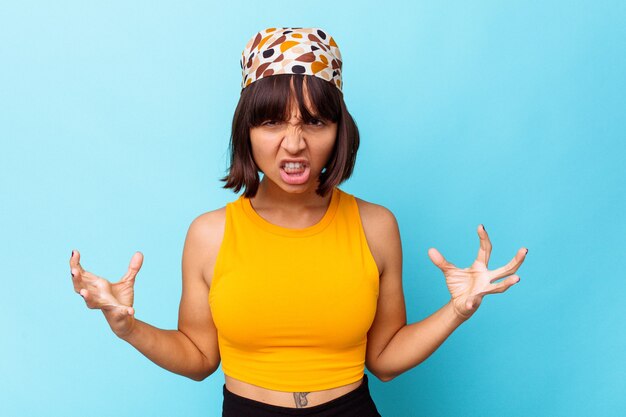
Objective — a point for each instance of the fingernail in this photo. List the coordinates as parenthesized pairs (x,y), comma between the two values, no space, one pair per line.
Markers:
(72,255)
(72,274)
(526,251)
(483,227)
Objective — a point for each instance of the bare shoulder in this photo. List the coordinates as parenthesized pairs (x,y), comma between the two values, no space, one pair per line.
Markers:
(208,227)
(204,239)
(381,230)
(379,215)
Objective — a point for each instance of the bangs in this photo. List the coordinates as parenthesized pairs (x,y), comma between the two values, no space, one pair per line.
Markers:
(270,98)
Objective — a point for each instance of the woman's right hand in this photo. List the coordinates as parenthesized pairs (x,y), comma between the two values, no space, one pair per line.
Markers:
(114,299)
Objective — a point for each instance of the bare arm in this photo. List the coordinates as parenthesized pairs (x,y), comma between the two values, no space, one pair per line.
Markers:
(395,347)
(414,343)
(192,349)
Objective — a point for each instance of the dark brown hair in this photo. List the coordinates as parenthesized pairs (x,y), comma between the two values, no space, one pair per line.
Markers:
(269,99)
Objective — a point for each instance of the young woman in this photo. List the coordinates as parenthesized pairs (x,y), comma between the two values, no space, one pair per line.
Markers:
(296,286)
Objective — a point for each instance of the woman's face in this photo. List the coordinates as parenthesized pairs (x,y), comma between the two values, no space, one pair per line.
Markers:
(293,153)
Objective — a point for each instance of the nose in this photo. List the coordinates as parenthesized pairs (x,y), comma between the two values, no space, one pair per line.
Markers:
(293,140)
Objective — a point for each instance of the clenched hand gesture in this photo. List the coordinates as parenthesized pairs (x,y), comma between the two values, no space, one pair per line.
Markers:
(468,286)
(114,299)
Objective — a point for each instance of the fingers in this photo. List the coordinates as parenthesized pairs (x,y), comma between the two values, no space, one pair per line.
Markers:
(88,297)
(75,260)
(437,258)
(484,251)
(96,291)
(133,268)
(81,278)
(93,302)
(75,280)
(504,285)
(509,268)
(76,270)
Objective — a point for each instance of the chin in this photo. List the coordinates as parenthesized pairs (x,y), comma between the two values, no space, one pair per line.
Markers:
(298,189)
(293,188)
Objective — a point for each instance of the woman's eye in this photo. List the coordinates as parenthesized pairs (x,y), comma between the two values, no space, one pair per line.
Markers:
(269,123)
(316,122)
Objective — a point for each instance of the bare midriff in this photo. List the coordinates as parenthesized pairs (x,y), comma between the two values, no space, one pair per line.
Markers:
(287,399)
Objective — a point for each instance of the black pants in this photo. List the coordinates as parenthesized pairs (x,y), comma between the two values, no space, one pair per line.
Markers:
(356,403)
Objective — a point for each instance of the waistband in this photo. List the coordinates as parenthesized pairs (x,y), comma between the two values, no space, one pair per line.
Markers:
(352,400)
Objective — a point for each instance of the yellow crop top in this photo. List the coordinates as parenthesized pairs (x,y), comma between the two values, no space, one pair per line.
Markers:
(292,307)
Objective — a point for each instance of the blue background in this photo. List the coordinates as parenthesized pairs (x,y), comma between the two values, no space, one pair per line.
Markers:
(114,124)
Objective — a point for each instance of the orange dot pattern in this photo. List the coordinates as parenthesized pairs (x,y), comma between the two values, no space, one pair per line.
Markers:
(309,51)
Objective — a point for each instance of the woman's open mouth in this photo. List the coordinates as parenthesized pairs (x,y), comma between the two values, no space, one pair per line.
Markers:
(295,172)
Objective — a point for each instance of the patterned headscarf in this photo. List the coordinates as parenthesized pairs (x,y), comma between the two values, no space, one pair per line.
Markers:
(309,51)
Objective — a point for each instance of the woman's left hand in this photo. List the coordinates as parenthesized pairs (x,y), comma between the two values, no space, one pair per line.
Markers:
(468,286)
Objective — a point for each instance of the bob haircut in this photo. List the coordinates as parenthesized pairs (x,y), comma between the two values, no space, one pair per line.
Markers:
(269,99)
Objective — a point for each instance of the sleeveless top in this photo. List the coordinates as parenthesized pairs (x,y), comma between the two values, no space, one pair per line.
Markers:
(293,307)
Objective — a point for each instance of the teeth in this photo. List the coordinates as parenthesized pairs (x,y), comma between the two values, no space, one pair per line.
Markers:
(294,165)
